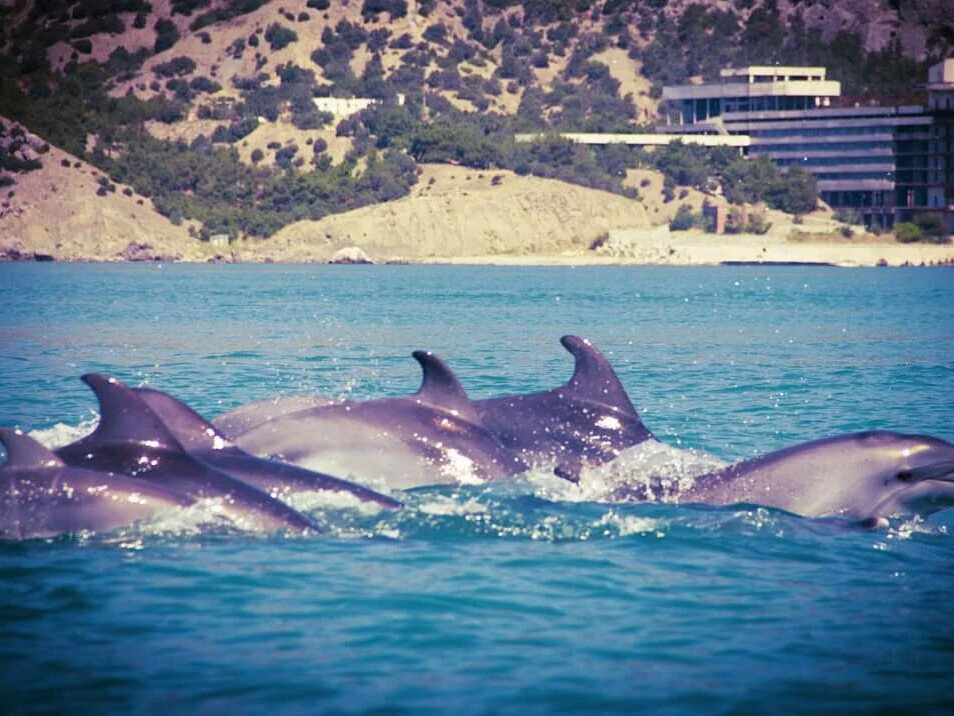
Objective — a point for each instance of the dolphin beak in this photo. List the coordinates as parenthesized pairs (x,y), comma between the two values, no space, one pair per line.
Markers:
(943,471)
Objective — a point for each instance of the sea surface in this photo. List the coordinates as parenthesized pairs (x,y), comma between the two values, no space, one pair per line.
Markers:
(529,596)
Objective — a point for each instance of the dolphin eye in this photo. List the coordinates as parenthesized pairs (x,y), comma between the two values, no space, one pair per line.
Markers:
(905,476)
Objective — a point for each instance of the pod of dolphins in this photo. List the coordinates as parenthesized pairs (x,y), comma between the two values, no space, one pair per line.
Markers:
(151,452)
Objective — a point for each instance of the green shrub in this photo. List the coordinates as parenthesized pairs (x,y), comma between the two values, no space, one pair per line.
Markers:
(930,224)
(176,67)
(757,224)
(279,36)
(683,220)
(166,35)
(847,215)
(734,220)
(907,233)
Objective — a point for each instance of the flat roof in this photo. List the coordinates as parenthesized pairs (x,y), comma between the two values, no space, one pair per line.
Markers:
(789,88)
(772,71)
(650,140)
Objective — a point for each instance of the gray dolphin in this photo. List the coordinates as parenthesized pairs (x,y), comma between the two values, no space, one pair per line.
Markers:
(42,496)
(132,440)
(245,417)
(859,476)
(201,440)
(586,421)
(431,437)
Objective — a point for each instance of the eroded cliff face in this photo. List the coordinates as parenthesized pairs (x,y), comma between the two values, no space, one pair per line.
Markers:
(920,27)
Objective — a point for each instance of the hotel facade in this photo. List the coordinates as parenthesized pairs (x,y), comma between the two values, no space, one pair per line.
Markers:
(886,162)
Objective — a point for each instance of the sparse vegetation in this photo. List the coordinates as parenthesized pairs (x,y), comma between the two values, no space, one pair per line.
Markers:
(68,105)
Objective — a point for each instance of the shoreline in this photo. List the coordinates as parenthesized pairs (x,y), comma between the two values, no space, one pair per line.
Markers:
(806,255)
(644,248)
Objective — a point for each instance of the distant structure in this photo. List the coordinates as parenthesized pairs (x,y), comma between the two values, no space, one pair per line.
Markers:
(888,163)
(754,89)
(342,107)
(656,139)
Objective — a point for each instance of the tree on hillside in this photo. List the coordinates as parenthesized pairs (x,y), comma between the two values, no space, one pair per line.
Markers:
(795,192)
(746,180)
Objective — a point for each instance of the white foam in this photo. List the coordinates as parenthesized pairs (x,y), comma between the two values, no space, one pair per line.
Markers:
(911,526)
(450,506)
(62,434)
(312,500)
(627,525)
(650,471)
(459,468)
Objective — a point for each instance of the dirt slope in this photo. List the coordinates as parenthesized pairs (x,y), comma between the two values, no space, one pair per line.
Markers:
(56,212)
(455,211)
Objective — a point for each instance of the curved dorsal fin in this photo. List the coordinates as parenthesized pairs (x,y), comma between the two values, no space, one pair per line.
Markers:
(440,386)
(23,451)
(188,427)
(594,377)
(124,416)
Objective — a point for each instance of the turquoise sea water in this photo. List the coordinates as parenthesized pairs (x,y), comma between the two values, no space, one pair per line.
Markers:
(529,596)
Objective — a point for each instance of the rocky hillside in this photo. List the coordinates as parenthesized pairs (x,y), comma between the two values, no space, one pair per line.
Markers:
(224,117)
(69,210)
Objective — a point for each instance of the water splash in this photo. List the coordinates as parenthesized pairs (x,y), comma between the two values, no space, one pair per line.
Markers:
(648,472)
(63,434)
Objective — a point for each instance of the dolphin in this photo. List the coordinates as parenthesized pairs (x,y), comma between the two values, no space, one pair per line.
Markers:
(589,420)
(862,477)
(245,417)
(42,496)
(201,440)
(433,436)
(132,440)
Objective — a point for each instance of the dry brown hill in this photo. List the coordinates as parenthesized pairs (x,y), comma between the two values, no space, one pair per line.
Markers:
(56,212)
(456,211)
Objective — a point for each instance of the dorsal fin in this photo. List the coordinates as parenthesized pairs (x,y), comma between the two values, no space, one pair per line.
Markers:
(594,377)
(124,416)
(440,386)
(188,427)
(23,451)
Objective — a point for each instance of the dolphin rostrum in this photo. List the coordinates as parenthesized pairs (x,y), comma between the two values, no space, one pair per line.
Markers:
(586,421)
(859,476)
(430,437)
(132,440)
(203,441)
(41,496)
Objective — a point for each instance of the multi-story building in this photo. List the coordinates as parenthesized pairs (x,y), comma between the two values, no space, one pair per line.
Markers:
(887,162)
